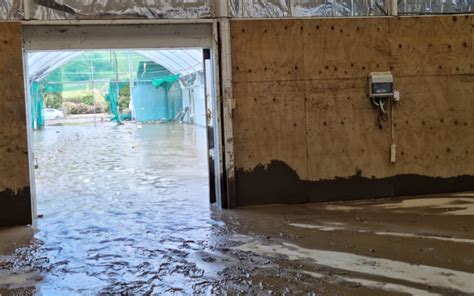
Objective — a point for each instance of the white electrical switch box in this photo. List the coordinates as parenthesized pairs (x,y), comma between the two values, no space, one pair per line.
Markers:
(396,96)
(380,84)
(393,153)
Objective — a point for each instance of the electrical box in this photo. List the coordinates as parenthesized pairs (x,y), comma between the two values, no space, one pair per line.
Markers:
(380,84)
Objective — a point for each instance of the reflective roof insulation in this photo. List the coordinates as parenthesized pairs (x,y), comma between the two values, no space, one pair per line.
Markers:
(177,61)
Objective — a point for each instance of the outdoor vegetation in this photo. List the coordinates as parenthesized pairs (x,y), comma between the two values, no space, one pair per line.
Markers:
(81,86)
(124,99)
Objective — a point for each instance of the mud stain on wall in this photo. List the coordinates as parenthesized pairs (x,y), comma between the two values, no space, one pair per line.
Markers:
(301,97)
(14,206)
(277,182)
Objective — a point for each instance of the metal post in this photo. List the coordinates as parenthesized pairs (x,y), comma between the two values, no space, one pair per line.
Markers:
(222,8)
(291,11)
(393,7)
(228,105)
(27,9)
(117,82)
(93,92)
(130,77)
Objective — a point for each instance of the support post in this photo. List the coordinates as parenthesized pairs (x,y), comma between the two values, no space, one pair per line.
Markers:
(130,76)
(224,56)
(27,9)
(93,90)
(393,8)
(228,108)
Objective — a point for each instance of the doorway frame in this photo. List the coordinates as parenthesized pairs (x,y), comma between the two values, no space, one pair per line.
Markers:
(145,34)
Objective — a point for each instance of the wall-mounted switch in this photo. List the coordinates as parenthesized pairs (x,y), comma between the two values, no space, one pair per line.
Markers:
(393,153)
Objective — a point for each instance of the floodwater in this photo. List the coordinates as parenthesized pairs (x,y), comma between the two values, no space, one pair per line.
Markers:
(125,210)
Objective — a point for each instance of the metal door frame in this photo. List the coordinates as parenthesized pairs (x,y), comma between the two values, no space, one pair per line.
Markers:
(153,34)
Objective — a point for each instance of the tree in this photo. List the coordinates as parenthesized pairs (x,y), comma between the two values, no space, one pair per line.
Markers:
(124,97)
(53,100)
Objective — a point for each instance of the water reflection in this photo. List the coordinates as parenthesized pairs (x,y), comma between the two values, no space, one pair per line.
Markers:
(123,208)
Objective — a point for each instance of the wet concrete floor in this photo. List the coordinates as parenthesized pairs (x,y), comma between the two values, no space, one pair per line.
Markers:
(125,211)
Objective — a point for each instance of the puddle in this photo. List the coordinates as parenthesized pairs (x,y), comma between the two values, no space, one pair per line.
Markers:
(382,233)
(419,274)
(122,210)
(126,211)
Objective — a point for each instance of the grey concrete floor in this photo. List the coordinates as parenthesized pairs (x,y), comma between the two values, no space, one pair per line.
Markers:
(126,212)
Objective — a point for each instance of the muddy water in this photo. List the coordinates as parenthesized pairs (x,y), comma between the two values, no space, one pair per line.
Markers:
(122,207)
(125,211)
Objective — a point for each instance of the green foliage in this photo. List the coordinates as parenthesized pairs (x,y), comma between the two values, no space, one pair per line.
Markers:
(74,108)
(124,97)
(81,108)
(75,100)
(53,100)
(88,100)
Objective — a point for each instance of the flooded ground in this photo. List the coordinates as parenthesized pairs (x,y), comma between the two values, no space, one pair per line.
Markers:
(126,211)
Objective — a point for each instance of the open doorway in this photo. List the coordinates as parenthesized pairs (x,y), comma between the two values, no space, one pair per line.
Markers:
(101,112)
(123,178)
(186,53)
(122,156)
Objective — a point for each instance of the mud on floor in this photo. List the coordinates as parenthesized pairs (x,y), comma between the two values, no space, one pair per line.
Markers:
(130,215)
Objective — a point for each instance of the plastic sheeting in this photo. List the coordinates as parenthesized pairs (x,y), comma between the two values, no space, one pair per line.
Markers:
(93,9)
(259,8)
(339,8)
(40,64)
(11,9)
(157,9)
(304,8)
(307,8)
(177,61)
(435,6)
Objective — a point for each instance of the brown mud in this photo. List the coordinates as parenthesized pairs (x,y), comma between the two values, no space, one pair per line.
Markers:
(129,214)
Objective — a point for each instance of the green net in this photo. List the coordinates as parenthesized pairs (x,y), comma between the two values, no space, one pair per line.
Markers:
(36,106)
(165,82)
(53,88)
(157,93)
(154,96)
(112,98)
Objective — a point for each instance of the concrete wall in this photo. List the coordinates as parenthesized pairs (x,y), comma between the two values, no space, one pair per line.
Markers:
(305,131)
(15,201)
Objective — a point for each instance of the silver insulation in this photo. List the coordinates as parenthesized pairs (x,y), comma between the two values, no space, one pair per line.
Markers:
(112,9)
(304,8)
(435,6)
(11,9)
(259,8)
(307,8)
(338,8)
(156,9)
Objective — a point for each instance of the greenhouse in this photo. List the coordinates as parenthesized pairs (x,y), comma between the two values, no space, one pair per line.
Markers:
(160,84)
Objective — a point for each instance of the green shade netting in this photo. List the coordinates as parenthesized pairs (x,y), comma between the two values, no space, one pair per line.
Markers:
(112,98)
(165,82)
(36,106)
(172,96)
(156,95)
(53,88)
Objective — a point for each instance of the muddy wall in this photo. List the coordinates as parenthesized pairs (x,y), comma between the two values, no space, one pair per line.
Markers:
(305,131)
(15,201)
